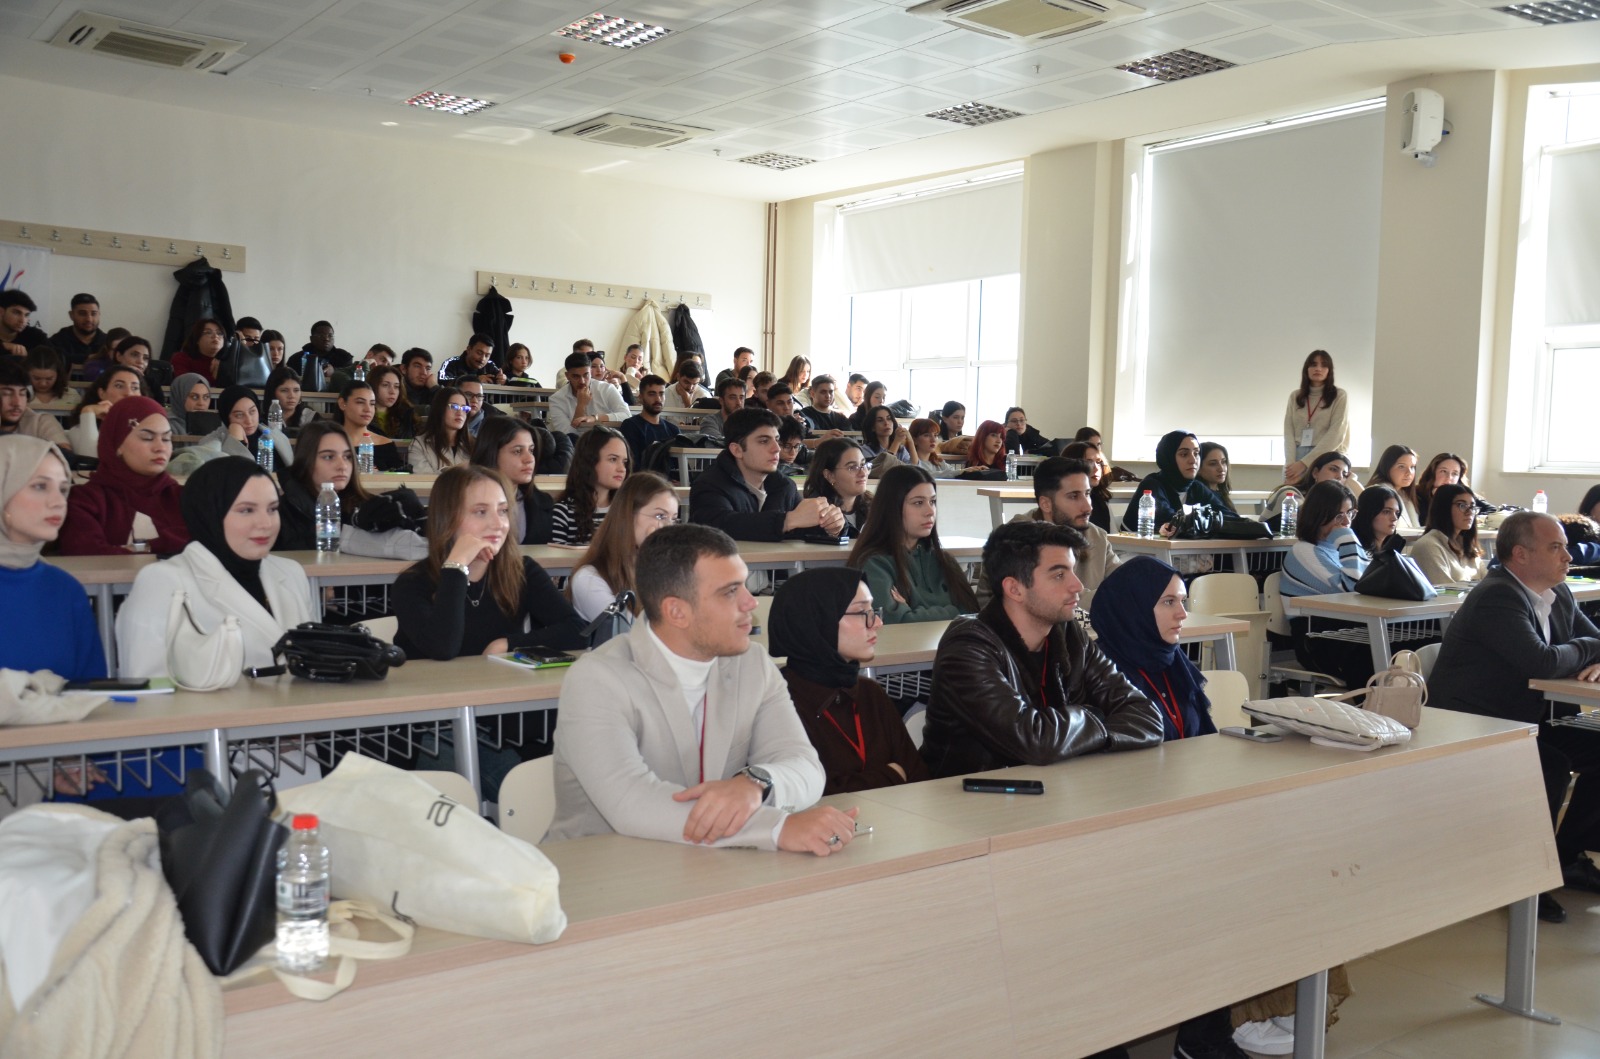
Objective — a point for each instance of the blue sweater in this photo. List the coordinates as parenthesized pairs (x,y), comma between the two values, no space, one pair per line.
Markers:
(48,624)
(1332,565)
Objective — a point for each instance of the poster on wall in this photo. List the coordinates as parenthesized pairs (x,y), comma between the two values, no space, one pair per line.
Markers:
(27,268)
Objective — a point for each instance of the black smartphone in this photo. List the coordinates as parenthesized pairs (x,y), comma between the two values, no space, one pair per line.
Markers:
(108,684)
(543,659)
(1255,735)
(991,785)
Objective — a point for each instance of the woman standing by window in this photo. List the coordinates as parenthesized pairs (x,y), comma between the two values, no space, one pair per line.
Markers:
(443,443)
(1397,469)
(599,467)
(643,505)
(899,553)
(1317,419)
(1448,552)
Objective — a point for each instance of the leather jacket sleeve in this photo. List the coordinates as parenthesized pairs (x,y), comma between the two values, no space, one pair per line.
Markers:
(1131,720)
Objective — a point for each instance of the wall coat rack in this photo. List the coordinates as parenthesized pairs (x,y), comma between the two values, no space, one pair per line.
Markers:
(589,292)
(170,251)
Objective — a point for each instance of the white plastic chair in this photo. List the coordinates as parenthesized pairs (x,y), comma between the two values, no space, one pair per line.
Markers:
(383,628)
(916,721)
(1228,690)
(1224,594)
(452,785)
(1278,622)
(1428,655)
(528,799)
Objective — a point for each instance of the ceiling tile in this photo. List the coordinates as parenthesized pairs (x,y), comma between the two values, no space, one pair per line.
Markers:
(1258,44)
(723,86)
(824,12)
(1352,29)
(343,36)
(866,139)
(598,87)
(832,48)
(894,28)
(1463,22)
(775,68)
(792,100)
(906,66)
(552,13)
(911,100)
(1285,10)
(698,49)
(807,128)
(427,53)
(755,28)
(239,22)
(821,150)
(737,116)
(845,84)
(675,101)
(1105,83)
(970,85)
(964,46)
(1038,100)
(1040,66)
(856,115)
(642,70)
(311,56)
(1108,49)
(1197,24)
(1390,8)
(916,128)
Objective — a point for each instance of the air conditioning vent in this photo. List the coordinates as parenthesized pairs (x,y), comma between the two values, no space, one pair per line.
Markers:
(620,130)
(121,39)
(1030,20)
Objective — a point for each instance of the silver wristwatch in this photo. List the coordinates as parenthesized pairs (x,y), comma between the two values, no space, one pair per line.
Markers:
(762,778)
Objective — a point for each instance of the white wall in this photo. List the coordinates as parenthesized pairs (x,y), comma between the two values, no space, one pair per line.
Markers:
(382,239)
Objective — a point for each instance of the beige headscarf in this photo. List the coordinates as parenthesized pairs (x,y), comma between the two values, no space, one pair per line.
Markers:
(20,456)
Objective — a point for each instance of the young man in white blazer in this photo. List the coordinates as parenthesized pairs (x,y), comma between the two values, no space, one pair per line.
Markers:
(683,730)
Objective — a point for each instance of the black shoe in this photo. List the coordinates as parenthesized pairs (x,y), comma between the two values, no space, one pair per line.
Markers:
(1550,910)
(1581,874)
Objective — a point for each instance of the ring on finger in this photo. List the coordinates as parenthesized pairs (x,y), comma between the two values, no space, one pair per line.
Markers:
(834,840)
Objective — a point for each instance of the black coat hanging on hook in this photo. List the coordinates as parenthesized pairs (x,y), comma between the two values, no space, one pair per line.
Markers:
(201,294)
(493,318)
(685,335)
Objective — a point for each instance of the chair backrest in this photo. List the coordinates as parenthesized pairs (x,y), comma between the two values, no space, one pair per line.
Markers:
(1227,690)
(916,721)
(384,629)
(1272,591)
(1428,656)
(1223,594)
(452,785)
(528,799)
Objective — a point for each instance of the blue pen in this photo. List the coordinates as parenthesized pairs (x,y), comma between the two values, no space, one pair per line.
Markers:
(124,698)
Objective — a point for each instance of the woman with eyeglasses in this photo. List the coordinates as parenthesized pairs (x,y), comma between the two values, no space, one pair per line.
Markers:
(599,467)
(898,552)
(1326,559)
(1377,520)
(643,505)
(200,350)
(358,405)
(1448,552)
(443,442)
(1444,469)
(1397,469)
(824,627)
(1329,467)
(838,475)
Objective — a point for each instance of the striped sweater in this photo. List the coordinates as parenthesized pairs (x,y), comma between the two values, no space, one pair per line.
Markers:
(1334,564)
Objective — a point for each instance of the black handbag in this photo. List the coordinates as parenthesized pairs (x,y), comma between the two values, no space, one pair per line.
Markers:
(1395,576)
(1200,522)
(1242,529)
(615,620)
(335,653)
(220,856)
(242,365)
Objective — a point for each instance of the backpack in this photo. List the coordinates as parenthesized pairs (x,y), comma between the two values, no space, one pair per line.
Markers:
(661,458)
(904,409)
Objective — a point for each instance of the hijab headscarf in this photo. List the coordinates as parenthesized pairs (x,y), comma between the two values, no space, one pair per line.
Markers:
(804,624)
(20,456)
(1123,616)
(232,395)
(114,430)
(207,496)
(177,397)
(1167,461)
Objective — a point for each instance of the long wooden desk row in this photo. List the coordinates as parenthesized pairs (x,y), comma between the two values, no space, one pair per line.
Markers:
(1139,890)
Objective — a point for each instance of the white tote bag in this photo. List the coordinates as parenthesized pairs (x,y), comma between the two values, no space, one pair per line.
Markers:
(399,843)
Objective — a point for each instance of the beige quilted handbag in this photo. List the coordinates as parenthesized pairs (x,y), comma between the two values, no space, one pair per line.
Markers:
(1330,722)
(1399,692)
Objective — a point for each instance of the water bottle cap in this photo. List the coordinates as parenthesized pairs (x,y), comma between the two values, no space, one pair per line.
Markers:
(305,821)
(1147,492)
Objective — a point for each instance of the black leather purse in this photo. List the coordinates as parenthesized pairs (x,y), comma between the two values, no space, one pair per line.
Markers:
(1395,576)
(219,854)
(334,653)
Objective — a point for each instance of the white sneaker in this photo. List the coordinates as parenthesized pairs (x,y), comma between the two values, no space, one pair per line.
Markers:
(1275,1036)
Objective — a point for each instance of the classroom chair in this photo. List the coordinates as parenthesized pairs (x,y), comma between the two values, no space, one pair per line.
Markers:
(1284,668)
(1235,596)
(383,628)
(452,785)
(528,799)
(916,721)
(1228,691)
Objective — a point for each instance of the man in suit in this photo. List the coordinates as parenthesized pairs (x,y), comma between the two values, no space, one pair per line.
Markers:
(683,730)
(1520,624)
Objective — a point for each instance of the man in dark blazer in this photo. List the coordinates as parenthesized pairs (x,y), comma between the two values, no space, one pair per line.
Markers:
(1520,624)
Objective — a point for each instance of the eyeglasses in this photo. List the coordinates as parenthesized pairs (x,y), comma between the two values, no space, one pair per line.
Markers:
(458,407)
(869,618)
(1343,518)
(1464,505)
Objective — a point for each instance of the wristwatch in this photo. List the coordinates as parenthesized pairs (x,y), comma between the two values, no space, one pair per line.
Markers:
(463,567)
(762,778)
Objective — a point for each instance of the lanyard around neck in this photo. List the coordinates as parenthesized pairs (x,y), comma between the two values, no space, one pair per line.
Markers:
(1171,709)
(859,744)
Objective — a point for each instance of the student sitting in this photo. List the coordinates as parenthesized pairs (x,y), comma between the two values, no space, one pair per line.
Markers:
(443,442)
(793,455)
(1061,486)
(824,626)
(507,445)
(685,388)
(1589,506)
(130,503)
(583,402)
(644,504)
(924,435)
(134,352)
(473,594)
(839,475)
(1137,619)
(822,415)
(242,429)
(189,393)
(324,455)
(1329,467)
(1022,683)
(730,399)
(1173,485)
(1377,515)
(16,418)
(1397,469)
(797,376)
(599,467)
(875,394)
(1448,552)
(1099,480)
(988,449)
(519,364)
(899,554)
(83,426)
(395,418)
(358,406)
(951,418)
(1214,470)
(647,428)
(743,494)
(885,439)
(1024,439)
(200,349)
(283,386)
(682,731)
(1444,469)
(1326,559)
(230,507)
(47,374)
(56,629)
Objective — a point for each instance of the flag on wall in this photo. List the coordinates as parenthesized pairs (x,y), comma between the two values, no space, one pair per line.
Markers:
(26,268)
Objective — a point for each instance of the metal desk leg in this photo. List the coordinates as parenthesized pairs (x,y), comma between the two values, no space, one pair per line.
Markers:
(316,598)
(996,511)
(466,733)
(1378,633)
(105,617)
(1311,1016)
(1226,658)
(215,750)
(1521,943)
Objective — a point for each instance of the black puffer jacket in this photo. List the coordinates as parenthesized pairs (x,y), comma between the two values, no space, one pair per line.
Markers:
(720,498)
(986,713)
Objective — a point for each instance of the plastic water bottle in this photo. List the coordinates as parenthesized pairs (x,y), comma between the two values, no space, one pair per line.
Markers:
(327,519)
(1011,466)
(1541,503)
(275,416)
(364,453)
(1291,515)
(264,455)
(361,371)
(303,870)
(1147,514)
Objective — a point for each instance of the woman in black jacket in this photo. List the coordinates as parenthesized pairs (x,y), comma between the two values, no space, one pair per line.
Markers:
(507,445)
(1175,484)
(324,454)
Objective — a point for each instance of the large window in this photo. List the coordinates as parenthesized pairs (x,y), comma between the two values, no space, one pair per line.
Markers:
(1556,319)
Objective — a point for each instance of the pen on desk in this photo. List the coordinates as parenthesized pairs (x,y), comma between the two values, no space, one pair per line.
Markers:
(863,829)
(124,698)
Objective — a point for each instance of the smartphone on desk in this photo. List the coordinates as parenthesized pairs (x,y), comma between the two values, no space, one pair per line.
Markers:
(1255,735)
(543,659)
(995,785)
(108,684)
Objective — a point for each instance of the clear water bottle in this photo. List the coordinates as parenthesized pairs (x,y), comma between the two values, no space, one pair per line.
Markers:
(275,417)
(1147,514)
(327,519)
(1291,515)
(265,457)
(361,371)
(303,870)
(1541,503)
(364,453)
(1011,466)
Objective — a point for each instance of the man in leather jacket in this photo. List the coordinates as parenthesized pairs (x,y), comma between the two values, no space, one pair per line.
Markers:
(1021,683)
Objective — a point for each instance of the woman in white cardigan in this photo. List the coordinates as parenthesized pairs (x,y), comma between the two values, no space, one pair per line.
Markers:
(1317,418)
(231,509)
(1448,553)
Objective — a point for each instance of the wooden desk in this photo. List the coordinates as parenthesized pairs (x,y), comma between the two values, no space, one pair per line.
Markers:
(1141,889)
(1580,692)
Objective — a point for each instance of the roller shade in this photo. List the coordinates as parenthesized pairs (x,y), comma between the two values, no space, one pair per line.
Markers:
(946,238)
(1572,262)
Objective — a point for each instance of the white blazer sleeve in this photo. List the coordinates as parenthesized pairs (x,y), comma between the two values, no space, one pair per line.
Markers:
(142,622)
(84,438)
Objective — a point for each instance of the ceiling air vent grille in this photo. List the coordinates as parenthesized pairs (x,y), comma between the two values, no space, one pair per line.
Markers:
(121,39)
(1028,20)
(975,114)
(772,160)
(1176,65)
(621,130)
(1555,12)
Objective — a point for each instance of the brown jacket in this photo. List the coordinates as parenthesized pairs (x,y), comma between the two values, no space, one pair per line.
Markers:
(884,735)
(986,712)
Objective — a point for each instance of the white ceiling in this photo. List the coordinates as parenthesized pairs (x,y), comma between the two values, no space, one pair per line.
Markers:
(845,82)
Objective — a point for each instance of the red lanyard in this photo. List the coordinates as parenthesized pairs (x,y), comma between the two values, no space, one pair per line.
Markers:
(1311,410)
(859,744)
(704,709)
(1170,709)
(1044,673)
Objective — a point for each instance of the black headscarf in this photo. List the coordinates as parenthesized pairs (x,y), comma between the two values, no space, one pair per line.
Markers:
(1167,461)
(207,496)
(231,396)
(1124,621)
(804,624)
